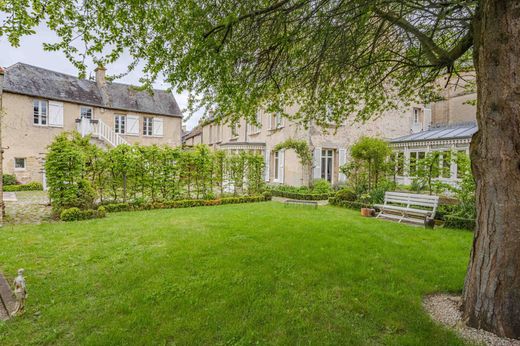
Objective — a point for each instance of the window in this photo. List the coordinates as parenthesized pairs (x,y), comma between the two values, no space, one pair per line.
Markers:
(327,157)
(415,157)
(277,166)
(399,164)
(256,128)
(276,121)
(446,164)
(234,131)
(40,112)
(86,112)
(148,126)
(416,115)
(19,163)
(120,124)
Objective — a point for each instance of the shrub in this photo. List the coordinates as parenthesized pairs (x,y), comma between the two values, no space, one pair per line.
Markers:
(301,196)
(267,195)
(451,221)
(9,179)
(76,214)
(347,204)
(346,194)
(32,186)
(321,186)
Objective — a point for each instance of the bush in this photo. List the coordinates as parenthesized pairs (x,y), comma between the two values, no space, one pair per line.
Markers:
(451,221)
(32,186)
(321,186)
(346,194)
(267,195)
(9,179)
(347,204)
(183,203)
(76,214)
(301,196)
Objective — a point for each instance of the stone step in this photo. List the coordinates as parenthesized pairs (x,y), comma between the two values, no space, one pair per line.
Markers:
(7,301)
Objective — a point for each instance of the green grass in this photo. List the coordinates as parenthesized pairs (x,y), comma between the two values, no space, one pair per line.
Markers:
(234,274)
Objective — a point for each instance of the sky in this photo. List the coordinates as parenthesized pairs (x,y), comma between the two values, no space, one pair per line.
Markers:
(31,52)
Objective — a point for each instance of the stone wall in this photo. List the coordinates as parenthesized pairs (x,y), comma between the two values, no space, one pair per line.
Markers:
(26,140)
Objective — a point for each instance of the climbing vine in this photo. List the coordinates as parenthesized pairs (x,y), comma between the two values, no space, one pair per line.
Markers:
(300,147)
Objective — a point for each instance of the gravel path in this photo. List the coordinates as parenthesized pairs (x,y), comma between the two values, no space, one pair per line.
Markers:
(444,308)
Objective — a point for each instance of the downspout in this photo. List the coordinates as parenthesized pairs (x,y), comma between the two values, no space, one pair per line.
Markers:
(2,207)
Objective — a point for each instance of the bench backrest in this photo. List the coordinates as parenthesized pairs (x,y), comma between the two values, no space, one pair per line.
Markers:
(411,200)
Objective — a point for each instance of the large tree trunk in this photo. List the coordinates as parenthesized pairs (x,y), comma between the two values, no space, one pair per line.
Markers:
(491,298)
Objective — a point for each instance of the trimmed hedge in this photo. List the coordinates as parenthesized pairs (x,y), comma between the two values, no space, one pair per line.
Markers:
(451,221)
(347,204)
(32,186)
(186,203)
(301,196)
(76,214)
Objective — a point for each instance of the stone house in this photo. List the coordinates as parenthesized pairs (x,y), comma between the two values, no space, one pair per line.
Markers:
(330,147)
(450,129)
(38,104)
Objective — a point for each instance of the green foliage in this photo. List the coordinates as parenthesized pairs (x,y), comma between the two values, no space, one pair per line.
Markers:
(355,205)
(76,214)
(32,186)
(9,179)
(369,164)
(346,194)
(466,189)
(453,221)
(184,203)
(321,186)
(427,171)
(79,173)
(301,148)
(389,52)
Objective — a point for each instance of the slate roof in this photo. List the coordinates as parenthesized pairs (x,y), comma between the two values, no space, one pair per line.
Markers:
(196,131)
(35,81)
(441,133)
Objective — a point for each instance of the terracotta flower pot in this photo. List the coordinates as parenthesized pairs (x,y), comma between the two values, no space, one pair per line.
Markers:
(367,212)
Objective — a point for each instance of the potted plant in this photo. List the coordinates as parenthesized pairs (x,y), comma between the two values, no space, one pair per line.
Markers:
(366,211)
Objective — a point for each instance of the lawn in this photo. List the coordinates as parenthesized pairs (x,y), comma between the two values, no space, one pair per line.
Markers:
(256,273)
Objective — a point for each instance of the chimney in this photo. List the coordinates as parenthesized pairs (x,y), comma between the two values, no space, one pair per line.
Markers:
(100,76)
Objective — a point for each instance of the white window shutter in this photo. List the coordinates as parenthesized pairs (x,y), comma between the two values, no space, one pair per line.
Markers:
(342,161)
(282,165)
(316,173)
(55,113)
(267,162)
(132,125)
(158,127)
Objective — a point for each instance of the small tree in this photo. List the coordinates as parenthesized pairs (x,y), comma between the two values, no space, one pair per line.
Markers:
(371,155)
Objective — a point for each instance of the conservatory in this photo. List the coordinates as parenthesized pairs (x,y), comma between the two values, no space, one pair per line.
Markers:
(446,140)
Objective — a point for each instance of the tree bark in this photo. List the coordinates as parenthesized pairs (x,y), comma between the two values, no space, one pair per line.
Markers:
(491,297)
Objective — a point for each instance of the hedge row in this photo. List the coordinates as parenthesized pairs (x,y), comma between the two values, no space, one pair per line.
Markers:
(76,214)
(187,203)
(451,221)
(347,204)
(32,186)
(301,196)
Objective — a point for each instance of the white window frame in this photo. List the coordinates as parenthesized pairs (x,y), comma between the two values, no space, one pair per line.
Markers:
(327,154)
(255,129)
(81,108)
(24,160)
(234,131)
(277,121)
(43,119)
(120,124)
(148,126)
(278,169)
(416,115)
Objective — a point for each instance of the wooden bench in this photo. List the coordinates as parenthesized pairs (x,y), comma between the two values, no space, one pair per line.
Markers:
(408,207)
(303,202)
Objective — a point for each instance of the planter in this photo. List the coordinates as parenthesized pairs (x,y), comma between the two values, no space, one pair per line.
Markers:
(367,212)
(429,223)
